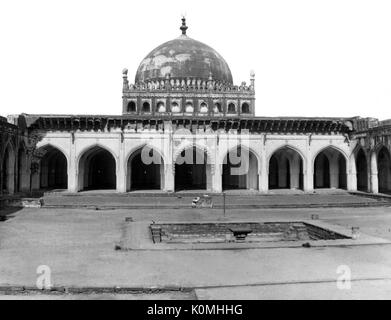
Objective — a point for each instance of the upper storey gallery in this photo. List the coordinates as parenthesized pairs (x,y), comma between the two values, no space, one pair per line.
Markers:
(184,77)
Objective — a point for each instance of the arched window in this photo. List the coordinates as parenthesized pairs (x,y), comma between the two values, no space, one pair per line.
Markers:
(146,107)
(203,107)
(217,107)
(175,107)
(245,108)
(189,107)
(160,107)
(231,108)
(131,106)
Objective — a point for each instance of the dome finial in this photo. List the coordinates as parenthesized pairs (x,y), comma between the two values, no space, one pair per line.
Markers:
(183,27)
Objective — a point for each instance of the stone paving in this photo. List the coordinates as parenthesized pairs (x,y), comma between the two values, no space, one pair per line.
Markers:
(234,199)
(78,246)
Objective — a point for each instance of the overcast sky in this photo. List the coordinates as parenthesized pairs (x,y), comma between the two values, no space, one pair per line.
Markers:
(311,57)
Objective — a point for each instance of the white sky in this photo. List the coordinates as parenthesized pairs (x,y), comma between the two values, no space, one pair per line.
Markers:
(311,57)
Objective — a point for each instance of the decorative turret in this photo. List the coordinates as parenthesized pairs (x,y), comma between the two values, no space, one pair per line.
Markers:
(252,79)
(184,27)
(125,79)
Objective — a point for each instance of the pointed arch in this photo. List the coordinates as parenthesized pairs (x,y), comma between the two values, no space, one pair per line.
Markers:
(359,166)
(193,168)
(240,170)
(22,165)
(285,168)
(53,167)
(384,169)
(97,168)
(8,168)
(330,168)
(145,174)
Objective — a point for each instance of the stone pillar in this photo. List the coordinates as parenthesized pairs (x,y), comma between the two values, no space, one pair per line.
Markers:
(263,174)
(352,175)
(218,178)
(35,176)
(374,174)
(121,168)
(169,181)
(308,171)
(73,170)
(24,174)
(209,178)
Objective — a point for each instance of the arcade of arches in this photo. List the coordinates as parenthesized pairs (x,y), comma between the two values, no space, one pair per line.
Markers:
(330,169)
(97,169)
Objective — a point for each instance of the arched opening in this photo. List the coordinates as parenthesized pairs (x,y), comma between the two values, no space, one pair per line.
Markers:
(53,173)
(286,169)
(362,171)
(203,107)
(22,181)
(97,170)
(231,108)
(330,170)
(217,108)
(384,170)
(8,171)
(160,107)
(145,170)
(245,108)
(189,107)
(146,107)
(175,107)
(240,170)
(131,106)
(192,170)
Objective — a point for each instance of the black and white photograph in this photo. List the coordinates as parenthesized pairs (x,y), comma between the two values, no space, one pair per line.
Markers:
(208,151)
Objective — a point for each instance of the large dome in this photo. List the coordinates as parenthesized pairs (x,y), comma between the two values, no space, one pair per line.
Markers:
(184,58)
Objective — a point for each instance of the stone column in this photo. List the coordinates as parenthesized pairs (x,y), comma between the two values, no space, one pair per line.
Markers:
(308,171)
(24,174)
(374,174)
(209,177)
(169,181)
(263,173)
(218,178)
(73,181)
(121,167)
(352,175)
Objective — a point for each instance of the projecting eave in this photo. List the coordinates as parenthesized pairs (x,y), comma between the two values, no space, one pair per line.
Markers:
(159,122)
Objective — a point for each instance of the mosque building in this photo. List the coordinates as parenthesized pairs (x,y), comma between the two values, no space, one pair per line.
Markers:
(184,105)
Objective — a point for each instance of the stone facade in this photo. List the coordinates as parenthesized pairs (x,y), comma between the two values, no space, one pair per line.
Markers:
(203,115)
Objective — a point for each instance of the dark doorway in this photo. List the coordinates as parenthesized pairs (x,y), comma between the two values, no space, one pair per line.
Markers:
(322,172)
(98,170)
(286,169)
(191,175)
(53,170)
(145,176)
(384,170)
(362,171)
(330,170)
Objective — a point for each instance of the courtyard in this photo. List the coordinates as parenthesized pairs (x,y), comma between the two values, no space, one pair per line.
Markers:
(78,245)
